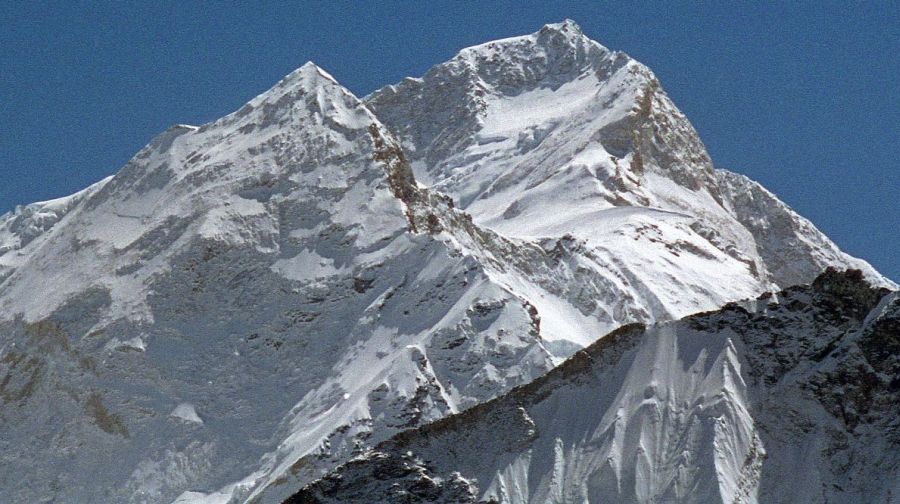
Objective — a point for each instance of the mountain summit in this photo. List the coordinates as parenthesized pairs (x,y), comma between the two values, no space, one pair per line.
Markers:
(529,132)
(248,304)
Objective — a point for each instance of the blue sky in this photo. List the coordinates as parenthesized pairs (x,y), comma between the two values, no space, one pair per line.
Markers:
(803,97)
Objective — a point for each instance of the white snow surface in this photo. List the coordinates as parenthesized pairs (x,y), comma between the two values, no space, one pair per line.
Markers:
(279,270)
(187,412)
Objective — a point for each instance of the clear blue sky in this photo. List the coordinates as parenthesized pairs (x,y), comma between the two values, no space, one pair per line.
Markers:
(804,98)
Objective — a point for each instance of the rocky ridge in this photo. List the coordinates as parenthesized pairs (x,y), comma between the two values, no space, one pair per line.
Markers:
(787,398)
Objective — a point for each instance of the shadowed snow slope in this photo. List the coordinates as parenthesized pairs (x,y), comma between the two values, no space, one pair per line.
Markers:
(247,304)
(788,398)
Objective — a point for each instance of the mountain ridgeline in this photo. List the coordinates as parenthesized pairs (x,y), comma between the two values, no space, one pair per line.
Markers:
(405,296)
(787,398)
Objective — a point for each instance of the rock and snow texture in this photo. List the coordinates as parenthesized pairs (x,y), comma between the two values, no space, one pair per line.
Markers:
(271,288)
(251,302)
(552,133)
(788,398)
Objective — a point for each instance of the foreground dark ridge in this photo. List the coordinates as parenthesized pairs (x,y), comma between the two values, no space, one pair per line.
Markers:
(805,380)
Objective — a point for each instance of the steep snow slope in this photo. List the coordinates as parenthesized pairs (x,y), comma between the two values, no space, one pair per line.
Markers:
(552,133)
(30,222)
(271,287)
(788,398)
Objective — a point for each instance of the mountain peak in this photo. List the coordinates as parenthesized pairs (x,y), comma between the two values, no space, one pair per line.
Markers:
(554,44)
(310,74)
(309,77)
(308,94)
(566,27)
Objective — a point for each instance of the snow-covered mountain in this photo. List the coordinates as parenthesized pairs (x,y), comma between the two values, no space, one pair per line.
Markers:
(267,287)
(788,398)
(552,133)
(248,304)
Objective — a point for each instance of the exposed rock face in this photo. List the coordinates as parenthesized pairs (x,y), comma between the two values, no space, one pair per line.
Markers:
(781,399)
(250,303)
